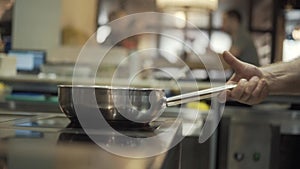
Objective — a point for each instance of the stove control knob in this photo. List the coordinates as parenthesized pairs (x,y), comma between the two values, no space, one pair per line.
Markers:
(239,156)
(256,156)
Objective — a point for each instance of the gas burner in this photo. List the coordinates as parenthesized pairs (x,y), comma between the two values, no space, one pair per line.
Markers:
(71,137)
(130,129)
(124,126)
(132,126)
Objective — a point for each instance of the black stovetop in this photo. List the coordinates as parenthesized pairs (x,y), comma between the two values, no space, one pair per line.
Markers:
(50,140)
(38,124)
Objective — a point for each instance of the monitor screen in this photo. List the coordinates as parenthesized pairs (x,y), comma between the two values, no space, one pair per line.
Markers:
(28,60)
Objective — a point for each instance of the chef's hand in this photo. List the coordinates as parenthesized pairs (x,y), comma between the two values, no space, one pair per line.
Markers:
(252,88)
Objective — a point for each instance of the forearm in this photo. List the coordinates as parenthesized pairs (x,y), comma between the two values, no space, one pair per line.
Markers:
(283,78)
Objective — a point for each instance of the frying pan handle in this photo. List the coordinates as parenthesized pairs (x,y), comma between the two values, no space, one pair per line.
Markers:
(198,95)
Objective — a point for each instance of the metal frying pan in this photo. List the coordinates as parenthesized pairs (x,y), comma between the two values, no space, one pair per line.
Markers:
(141,105)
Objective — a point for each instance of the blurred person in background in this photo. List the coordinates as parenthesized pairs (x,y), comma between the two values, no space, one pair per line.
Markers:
(130,43)
(5,8)
(242,43)
(5,22)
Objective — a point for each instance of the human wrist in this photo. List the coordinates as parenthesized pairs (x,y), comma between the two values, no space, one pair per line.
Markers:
(270,79)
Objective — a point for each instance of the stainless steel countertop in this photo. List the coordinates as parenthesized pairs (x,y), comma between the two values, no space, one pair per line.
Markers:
(267,114)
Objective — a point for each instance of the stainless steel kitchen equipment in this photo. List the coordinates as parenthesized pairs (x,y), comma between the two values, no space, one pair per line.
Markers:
(140,105)
(259,137)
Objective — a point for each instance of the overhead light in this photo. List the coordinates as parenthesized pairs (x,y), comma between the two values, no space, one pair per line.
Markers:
(180,23)
(207,4)
(102,33)
(296,34)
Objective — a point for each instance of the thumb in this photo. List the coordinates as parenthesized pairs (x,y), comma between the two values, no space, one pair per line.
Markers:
(231,60)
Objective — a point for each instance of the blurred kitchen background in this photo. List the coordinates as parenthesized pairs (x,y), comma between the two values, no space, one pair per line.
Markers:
(51,34)
(61,27)
(41,40)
